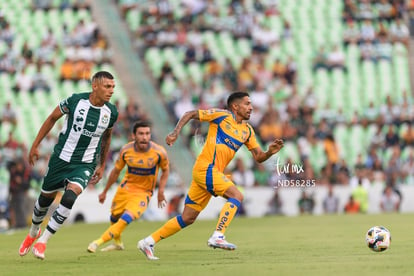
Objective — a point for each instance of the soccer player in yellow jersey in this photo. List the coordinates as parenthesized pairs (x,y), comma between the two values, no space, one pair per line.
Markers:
(143,158)
(228,131)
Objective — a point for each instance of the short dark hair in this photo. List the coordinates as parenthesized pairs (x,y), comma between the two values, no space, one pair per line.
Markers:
(236,96)
(141,124)
(102,75)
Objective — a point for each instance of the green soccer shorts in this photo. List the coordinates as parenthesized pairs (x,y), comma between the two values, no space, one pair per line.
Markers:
(60,173)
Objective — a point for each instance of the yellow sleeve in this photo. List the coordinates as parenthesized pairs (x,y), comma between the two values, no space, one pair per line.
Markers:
(209,115)
(164,162)
(251,142)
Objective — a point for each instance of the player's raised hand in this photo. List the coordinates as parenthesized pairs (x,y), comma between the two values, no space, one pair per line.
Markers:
(276,146)
(171,138)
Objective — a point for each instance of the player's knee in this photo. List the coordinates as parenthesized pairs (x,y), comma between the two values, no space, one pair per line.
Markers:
(128,218)
(186,219)
(68,199)
(45,201)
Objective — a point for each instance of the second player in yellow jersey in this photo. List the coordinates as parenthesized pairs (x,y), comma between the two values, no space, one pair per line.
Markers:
(143,159)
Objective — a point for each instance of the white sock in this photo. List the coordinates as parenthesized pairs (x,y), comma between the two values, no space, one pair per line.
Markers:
(217,234)
(34,229)
(149,240)
(45,236)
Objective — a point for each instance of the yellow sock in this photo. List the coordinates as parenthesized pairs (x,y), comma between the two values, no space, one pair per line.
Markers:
(227,214)
(168,229)
(114,231)
(118,240)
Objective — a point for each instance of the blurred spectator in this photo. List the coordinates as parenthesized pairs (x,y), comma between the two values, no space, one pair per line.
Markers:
(275,205)
(39,81)
(19,185)
(270,127)
(306,203)
(351,33)
(352,206)
(390,201)
(336,58)
(320,60)
(399,32)
(331,150)
(24,81)
(67,70)
(330,202)
(174,205)
(360,194)
(241,175)
(391,137)
(261,175)
(8,115)
(407,136)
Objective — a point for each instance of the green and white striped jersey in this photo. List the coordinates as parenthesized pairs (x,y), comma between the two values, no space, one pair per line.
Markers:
(80,138)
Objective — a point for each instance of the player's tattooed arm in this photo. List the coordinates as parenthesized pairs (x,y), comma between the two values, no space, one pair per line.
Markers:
(189,115)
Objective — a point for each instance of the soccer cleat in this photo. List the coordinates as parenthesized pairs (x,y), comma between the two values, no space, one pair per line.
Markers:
(147,249)
(220,242)
(113,247)
(39,250)
(92,247)
(27,244)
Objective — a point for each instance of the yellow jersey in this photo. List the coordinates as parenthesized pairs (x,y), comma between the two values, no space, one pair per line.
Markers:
(142,167)
(225,136)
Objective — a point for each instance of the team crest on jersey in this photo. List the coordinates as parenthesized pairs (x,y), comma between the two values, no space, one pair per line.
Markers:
(228,126)
(244,134)
(105,119)
(150,162)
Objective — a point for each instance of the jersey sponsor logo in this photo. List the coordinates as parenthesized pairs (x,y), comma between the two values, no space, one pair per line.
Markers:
(223,220)
(77,124)
(141,171)
(90,133)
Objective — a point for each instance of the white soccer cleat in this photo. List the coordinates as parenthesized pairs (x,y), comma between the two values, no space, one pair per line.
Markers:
(113,247)
(92,247)
(220,242)
(147,249)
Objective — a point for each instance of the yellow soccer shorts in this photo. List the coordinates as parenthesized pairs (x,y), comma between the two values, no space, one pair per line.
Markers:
(206,183)
(134,202)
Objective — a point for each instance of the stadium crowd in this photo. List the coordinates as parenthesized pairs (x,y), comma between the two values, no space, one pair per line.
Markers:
(200,76)
(184,31)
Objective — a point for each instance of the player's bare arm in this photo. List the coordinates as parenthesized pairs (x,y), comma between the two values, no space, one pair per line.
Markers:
(113,177)
(189,115)
(162,202)
(44,130)
(261,156)
(106,141)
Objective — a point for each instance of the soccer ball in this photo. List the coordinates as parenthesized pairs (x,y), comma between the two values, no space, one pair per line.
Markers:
(378,238)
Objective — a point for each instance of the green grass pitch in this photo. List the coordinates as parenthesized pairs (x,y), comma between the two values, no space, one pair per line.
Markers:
(306,245)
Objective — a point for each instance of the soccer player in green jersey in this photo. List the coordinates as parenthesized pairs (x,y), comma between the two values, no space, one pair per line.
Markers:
(78,158)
